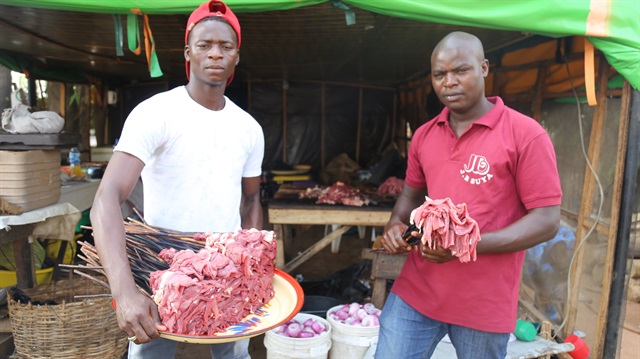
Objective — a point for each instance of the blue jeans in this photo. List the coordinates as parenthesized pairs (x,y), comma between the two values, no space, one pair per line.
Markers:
(165,348)
(406,333)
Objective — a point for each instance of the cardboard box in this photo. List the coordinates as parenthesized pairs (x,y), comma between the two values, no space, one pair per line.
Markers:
(30,179)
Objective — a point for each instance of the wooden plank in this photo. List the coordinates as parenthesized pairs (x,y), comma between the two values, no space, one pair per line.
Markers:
(595,145)
(386,265)
(379,292)
(623,132)
(329,216)
(317,247)
(278,230)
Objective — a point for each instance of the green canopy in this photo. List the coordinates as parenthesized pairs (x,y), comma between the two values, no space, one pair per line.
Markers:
(611,25)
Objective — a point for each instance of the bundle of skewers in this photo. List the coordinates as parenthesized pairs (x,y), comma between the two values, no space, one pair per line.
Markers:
(144,243)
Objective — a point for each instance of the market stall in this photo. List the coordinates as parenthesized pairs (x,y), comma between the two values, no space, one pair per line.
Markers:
(284,211)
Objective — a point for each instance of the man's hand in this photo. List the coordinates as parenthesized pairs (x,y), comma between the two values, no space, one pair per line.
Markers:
(138,317)
(438,255)
(392,238)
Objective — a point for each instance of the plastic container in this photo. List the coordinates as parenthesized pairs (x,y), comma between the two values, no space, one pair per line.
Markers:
(351,341)
(281,347)
(581,350)
(8,278)
(525,331)
(75,168)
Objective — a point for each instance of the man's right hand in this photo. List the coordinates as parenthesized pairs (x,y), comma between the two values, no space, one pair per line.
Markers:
(138,317)
(392,240)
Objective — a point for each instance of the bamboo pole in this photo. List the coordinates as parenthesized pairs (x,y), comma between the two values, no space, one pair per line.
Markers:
(623,132)
(595,145)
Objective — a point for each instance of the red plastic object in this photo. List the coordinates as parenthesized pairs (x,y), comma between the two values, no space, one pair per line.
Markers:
(581,350)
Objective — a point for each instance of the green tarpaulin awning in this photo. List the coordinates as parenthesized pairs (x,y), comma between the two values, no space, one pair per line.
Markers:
(611,25)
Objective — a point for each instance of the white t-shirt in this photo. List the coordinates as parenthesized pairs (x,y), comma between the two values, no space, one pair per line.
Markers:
(195,160)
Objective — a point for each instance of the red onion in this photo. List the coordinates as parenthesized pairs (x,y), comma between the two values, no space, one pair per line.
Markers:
(370,321)
(305,334)
(369,308)
(355,314)
(293,330)
(353,308)
(318,327)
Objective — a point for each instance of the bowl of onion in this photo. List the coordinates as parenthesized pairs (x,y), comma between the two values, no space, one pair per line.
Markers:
(354,330)
(356,314)
(304,336)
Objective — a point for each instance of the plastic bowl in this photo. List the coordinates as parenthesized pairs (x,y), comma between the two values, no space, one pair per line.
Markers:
(8,278)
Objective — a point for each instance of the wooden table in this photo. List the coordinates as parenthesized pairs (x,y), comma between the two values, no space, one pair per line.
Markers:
(18,229)
(285,212)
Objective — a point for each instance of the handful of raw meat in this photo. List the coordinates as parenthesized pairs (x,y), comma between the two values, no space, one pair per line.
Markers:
(206,292)
(444,224)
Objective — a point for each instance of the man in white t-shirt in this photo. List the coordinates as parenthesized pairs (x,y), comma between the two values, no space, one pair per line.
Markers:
(199,156)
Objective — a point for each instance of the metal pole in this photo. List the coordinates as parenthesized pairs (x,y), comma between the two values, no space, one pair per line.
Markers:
(616,298)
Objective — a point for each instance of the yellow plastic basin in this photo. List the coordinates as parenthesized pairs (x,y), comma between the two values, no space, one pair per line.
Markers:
(8,278)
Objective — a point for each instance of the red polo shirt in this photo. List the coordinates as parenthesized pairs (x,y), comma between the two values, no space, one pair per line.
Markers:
(503,165)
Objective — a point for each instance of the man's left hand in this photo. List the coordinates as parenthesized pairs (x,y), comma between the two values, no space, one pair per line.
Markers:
(438,255)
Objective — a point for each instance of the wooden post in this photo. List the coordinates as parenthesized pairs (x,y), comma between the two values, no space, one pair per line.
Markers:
(5,88)
(63,99)
(595,144)
(322,124)
(249,96)
(359,130)
(623,132)
(284,125)
(536,106)
(279,232)
(394,118)
(402,133)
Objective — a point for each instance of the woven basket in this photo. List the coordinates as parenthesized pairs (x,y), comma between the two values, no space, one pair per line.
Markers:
(74,328)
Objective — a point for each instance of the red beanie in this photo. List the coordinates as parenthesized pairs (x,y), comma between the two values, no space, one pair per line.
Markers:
(208,9)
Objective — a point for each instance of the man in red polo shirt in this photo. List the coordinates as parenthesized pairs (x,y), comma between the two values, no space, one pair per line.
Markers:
(502,165)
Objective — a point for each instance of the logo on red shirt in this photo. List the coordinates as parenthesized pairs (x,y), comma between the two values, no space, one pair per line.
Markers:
(477,170)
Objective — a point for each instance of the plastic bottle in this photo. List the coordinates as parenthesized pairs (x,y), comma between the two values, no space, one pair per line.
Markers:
(74,163)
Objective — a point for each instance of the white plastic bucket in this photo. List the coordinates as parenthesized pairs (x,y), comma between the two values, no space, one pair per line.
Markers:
(281,347)
(350,341)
